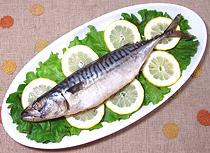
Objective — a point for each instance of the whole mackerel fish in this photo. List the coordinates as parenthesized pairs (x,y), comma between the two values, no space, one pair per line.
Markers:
(91,85)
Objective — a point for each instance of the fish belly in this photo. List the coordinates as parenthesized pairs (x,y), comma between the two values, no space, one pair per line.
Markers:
(107,85)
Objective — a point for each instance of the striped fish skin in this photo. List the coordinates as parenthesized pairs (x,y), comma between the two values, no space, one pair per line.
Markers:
(92,85)
(106,76)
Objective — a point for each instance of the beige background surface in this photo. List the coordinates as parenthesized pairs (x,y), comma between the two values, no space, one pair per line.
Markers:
(144,136)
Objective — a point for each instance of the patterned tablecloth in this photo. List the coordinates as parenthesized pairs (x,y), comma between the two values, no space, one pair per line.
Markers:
(28,26)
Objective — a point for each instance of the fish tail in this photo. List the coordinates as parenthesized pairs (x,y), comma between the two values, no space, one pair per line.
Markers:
(172,32)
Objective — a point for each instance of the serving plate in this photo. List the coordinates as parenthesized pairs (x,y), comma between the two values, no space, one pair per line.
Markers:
(198,29)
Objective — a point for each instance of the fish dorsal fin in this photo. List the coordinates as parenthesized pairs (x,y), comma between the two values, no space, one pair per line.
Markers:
(76,87)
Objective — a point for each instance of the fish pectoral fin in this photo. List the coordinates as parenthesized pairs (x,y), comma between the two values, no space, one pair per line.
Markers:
(76,88)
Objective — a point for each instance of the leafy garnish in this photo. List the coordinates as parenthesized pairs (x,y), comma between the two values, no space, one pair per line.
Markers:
(184,25)
(30,76)
(97,126)
(152,93)
(110,116)
(51,69)
(131,18)
(74,131)
(183,52)
(49,131)
(94,39)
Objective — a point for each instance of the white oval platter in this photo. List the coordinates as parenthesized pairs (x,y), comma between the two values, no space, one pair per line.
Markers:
(198,29)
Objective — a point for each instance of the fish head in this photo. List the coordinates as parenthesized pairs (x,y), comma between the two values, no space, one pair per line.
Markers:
(48,106)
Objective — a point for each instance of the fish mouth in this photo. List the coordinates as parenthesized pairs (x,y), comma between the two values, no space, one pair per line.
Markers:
(31,115)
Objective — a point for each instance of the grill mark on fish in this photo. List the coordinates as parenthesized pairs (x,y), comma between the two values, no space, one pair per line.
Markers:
(84,74)
(114,57)
(123,53)
(91,71)
(95,67)
(106,64)
(80,77)
(88,73)
(75,78)
(127,51)
(130,48)
(95,74)
(110,60)
(118,54)
(100,67)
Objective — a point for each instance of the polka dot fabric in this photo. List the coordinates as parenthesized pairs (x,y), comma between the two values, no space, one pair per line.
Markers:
(37,9)
(170,130)
(40,44)
(9,66)
(6,22)
(203,117)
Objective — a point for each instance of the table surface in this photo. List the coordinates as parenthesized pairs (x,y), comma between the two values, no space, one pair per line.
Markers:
(59,17)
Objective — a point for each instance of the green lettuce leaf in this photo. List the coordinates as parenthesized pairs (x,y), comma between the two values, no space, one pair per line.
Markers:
(75,131)
(184,25)
(131,18)
(152,93)
(183,52)
(51,69)
(15,106)
(110,116)
(50,131)
(94,39)
(97,126)
(30,76)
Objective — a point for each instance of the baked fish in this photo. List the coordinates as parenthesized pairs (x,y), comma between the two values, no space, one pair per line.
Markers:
(91,85)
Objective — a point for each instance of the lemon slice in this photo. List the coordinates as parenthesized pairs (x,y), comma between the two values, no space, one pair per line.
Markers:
(77,57)
(157,26)
(161,69)
(35,89)
(128,100)
(73,59)
(119,33)
(88,119)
